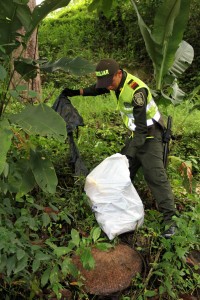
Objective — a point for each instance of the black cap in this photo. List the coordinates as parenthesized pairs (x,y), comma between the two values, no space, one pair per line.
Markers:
(105,70)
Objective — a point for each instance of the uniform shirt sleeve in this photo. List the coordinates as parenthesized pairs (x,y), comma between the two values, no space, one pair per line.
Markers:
(139,113)
(93,91)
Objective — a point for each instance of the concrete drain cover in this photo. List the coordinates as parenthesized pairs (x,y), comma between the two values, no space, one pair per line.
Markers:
(113,270)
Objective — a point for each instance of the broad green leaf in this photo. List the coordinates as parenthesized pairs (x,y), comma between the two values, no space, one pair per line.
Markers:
(65,217)
(75,237)
(76,66)
(41,119)
(50,244)
(14,94)
(163,42)
(45,277)
(96,234)
(87,259)
(168,256)
(170,22)
(181,252)
(21,88)
(151,45)
(24,15)
(94,5)
(44,172)
(162,290)
(183,59)
(66,266)
(3,73)
(32,94)
(54,275)
(45,219)
(3,262)
(42,10)
(6,9)
(60,251)
(159,273)
(5,138)
(177,94)
(32,223)
(164,20)
(16,14)
(20,178)
(10,265)
(21,264)
(103,246)
(6,170)
(42,256)
(149,293)
(20,254)
(35,265)
(13,17)
(26,68)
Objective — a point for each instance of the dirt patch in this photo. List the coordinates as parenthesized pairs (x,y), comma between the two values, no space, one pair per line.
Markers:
(113,270)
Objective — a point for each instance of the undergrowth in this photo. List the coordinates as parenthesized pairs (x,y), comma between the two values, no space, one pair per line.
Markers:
(40,232)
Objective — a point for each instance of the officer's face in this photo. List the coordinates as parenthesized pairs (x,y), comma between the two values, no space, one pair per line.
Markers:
(116,81)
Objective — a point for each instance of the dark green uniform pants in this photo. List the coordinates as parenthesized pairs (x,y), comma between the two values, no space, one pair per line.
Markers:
(150,158)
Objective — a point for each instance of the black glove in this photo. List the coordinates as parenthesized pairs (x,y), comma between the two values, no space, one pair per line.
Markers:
(70,93)
(129,149)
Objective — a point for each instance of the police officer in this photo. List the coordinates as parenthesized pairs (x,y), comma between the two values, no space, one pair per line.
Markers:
(140,114)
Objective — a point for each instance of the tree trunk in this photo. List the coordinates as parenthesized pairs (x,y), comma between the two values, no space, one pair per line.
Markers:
(31,52)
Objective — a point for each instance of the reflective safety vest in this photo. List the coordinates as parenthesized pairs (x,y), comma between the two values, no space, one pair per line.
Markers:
(125,102)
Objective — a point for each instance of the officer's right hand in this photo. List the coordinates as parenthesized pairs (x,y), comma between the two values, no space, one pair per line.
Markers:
(70,93)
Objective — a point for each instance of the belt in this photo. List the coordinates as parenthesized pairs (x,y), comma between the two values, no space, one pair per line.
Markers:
(154,130)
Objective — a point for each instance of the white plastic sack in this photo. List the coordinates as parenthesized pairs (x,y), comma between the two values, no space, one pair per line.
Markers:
(113,198)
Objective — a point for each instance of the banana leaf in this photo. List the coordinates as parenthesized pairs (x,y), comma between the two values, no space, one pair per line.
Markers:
(162,43)
(76,66)
(183,59)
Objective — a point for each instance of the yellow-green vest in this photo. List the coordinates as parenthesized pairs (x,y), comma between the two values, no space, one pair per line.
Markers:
(125,102)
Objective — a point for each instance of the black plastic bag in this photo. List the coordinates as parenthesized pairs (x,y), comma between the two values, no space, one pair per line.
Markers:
(68,112)
(73,119)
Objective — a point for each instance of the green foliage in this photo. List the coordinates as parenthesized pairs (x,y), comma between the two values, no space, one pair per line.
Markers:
(15,15)
(163,41)
(172,270)
(76,66)
(6,136)
(61,225)
(169,273)
(30,246)
(30,164)
(121,38)
(44,224)
(33,120)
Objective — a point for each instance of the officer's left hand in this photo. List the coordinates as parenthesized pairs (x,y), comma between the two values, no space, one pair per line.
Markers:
(70,93)
(129,149)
